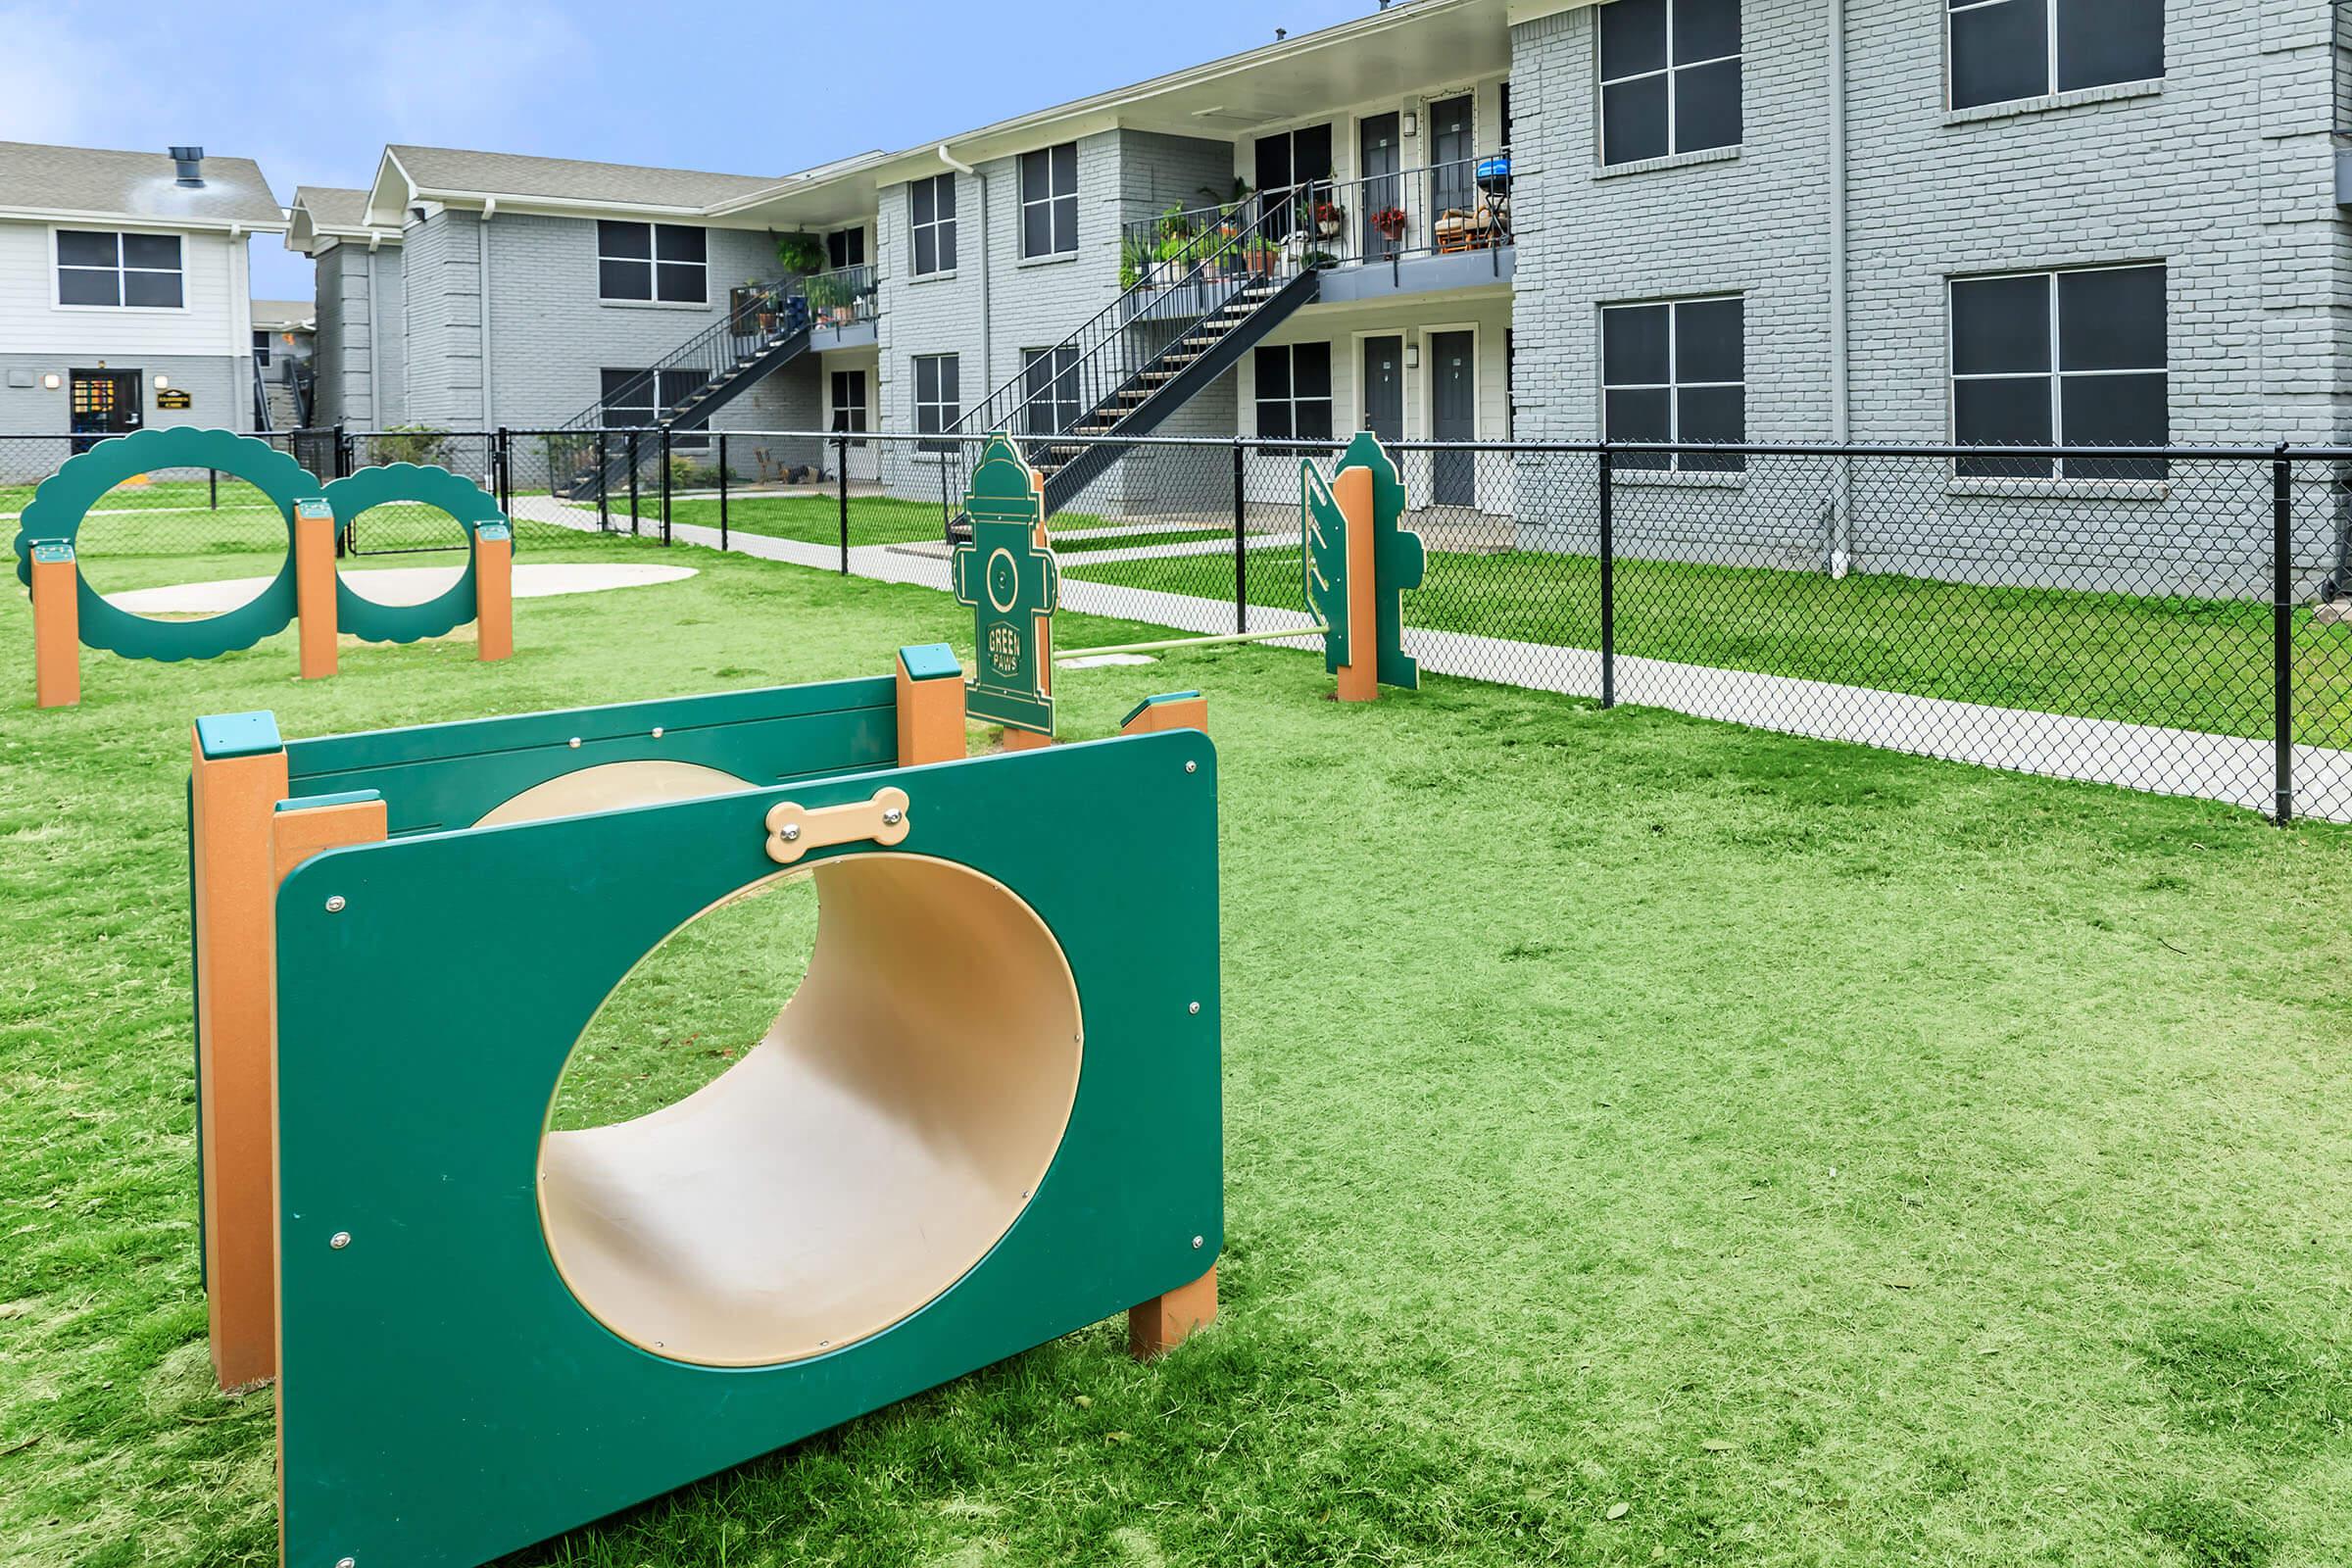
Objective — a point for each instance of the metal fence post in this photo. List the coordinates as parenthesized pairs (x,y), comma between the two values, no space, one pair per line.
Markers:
(722,490)
(665,455)
(841,483)
(604,485)
(633,517)
(505,468)
(1241,549)
(342,451)
(2282,636)
(213,486)
(1608,577)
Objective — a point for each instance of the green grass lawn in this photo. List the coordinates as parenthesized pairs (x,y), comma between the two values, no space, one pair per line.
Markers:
(1646,1141)
(2189,664)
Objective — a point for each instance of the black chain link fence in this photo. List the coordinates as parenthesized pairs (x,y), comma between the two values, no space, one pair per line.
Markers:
(2173,621)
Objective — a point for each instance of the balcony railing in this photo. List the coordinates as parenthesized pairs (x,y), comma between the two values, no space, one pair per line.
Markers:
(842,297)
(1435,210)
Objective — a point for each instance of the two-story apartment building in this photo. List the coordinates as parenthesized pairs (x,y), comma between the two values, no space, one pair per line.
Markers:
(2065,222)
(124,290)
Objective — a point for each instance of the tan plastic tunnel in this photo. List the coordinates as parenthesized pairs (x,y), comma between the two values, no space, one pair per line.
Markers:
(883,1136)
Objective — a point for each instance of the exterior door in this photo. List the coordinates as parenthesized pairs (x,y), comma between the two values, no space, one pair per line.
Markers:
(102,403)
(1384,387)
(1452,416)
(1451,186)
(1377,163)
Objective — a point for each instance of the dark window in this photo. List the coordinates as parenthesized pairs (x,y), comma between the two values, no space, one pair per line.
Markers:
(1670,77)
(1294,392)
(1293,172)
(938,397)
(261,349)
(1050,201)
(639,400)
(1676,370)
(931,224)
(2004,50)
(666,261)
(844,247)
(97,268)
(849,402)
(2064,358)
(1050,390)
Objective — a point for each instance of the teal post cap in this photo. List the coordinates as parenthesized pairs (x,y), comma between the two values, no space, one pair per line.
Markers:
(930,662)
(316,507)
(251,734)
(307,803)
(494,530)
(52,552)
(1154,702)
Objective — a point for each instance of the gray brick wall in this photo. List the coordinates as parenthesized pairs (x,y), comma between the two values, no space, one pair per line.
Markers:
(1121,176)
(2223,172)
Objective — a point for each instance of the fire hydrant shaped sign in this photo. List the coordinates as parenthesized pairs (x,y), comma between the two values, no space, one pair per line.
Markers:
(1359,560)
(1009,578)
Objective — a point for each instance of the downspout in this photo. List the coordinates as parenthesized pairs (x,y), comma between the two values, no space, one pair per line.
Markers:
(489,210)
(988,375)
(1841,522)
(375,333)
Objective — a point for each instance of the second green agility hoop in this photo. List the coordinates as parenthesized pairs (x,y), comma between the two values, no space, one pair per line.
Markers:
(469,503)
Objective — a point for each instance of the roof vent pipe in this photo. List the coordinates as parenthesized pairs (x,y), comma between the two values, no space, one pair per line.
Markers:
(191,166)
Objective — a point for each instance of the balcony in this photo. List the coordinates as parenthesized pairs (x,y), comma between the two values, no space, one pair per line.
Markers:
(1418,231)
(837,306)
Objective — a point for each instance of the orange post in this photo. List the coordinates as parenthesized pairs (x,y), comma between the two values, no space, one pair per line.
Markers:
(1176,711)
(930,706)
(56,626)
(1023,740)
(315,585)
(239,777)
(494,591)
(1359,677)
(1159,1325)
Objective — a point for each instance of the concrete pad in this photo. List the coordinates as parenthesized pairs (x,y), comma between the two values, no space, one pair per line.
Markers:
(402,585)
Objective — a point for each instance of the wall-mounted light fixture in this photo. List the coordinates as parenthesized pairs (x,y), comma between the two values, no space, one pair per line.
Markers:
(162,381)
(53,381)
(1412,124)
(1412,356)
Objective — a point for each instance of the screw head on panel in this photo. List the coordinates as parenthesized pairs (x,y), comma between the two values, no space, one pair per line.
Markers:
(790,832)
(573,743)
(1195,1007)
(334,903)
(347,1562)
(657,732)
(893,818)
(1192,767)
(339,1241)
(1199,1242)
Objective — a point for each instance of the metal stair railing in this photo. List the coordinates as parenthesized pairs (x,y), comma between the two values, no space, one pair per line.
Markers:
(1117,359)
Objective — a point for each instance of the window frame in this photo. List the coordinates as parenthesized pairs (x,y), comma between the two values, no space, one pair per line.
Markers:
(652,261)
(2050,87)
(1061,389)
(262,347)
(1289,400)
(835,411)
(1603,82)
(1054,201)
(2057,375)
(121,270)
(1675,462)
(945,422)
(942,228)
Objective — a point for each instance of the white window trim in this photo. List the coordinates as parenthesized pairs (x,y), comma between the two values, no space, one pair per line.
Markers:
(1292,400)
(954,411)
(1671,387)
(1047,201)
(654,265)
(57,292)
(2051,95)
(937,224)
(2056,376)
(1600,134)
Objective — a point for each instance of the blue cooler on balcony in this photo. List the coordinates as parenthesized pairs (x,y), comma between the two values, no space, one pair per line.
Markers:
(1494,175)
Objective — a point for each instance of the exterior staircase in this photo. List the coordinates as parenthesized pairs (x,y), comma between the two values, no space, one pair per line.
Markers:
(1166,339)
(765,327)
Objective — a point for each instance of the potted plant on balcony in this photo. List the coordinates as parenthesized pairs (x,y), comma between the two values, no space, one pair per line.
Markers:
(1390,221)
(1135,262)
(1260,256)
(829,298)
(1330,216)
(801,254)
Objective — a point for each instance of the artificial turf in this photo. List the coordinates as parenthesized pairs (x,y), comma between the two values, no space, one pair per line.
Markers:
(1647,1141)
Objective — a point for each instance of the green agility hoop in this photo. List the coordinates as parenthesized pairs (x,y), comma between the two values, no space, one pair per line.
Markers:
(469,503)
(54,516)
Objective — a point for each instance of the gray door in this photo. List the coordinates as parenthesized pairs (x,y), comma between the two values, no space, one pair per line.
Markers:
(1450,140)
(1384,387)
(1452,416)
(1378,152)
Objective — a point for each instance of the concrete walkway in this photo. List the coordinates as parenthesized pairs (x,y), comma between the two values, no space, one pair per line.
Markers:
(2140,757)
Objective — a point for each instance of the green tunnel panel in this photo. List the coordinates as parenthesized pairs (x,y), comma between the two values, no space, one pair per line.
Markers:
(467,503)
(444,1396)
(449,775)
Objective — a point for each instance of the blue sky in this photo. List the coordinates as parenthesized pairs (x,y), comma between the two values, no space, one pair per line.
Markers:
(314,91)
